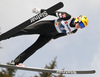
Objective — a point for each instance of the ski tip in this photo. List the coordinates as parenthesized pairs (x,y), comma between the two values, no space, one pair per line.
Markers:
(94,71)
(55,7)
(61,4)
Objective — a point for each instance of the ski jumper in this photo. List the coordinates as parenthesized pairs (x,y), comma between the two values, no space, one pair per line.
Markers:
(50,29)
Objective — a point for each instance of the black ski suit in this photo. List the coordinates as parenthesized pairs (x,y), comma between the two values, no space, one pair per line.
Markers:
(46,30)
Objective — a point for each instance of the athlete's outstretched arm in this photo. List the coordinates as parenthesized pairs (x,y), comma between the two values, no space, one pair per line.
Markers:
(61,15)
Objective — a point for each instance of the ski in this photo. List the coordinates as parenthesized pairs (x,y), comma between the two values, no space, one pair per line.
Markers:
(31,20)
(47,70)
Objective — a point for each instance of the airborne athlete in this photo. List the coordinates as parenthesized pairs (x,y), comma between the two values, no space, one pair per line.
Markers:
(49,29)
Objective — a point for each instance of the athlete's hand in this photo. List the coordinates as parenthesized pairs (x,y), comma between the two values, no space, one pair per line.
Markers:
(36,10)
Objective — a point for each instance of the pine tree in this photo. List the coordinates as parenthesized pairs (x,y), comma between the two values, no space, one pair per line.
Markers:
(52,65)
(7,72)
(11,72)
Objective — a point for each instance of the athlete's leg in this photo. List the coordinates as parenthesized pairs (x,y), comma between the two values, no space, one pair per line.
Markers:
(22,32)
(41,27)
(41,41)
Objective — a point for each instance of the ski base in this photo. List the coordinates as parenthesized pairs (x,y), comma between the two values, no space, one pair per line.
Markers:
(47,70)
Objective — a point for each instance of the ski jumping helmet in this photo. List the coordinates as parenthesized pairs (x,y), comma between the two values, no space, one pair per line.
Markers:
(82,20)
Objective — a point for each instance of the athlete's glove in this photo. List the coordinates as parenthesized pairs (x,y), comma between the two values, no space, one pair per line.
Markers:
(36,10)
(59,15)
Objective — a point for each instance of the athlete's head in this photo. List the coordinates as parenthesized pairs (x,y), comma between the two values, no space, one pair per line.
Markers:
(81,21)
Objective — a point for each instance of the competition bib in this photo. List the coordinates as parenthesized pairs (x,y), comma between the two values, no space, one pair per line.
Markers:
(63,26)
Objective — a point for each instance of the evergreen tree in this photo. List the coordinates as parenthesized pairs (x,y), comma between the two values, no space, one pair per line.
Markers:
(7,72)
(52,65)
(11,72)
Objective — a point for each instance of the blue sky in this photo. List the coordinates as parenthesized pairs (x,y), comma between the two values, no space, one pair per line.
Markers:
(80,51)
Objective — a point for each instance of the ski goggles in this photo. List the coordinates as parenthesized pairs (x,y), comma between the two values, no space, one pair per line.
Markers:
(81,25)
